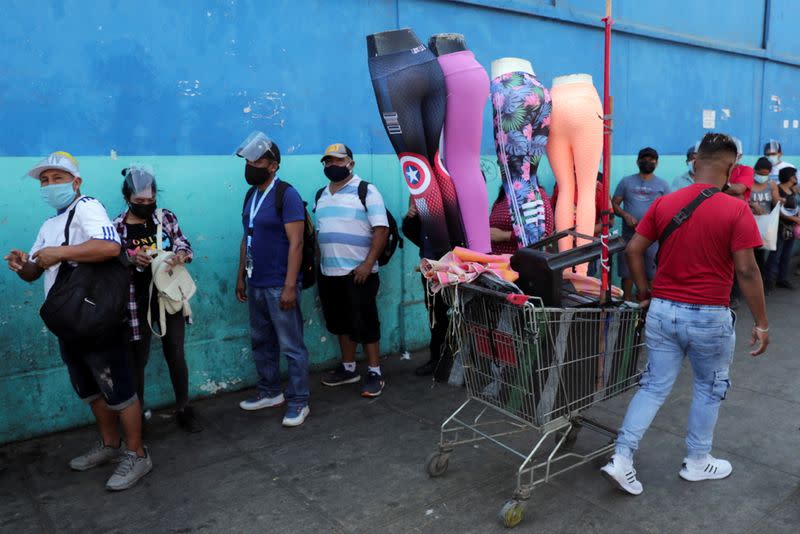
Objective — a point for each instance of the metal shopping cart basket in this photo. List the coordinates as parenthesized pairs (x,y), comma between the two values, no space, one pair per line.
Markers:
(532,368)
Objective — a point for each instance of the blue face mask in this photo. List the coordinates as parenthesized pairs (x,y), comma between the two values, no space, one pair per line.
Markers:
(59,196)
(761,179)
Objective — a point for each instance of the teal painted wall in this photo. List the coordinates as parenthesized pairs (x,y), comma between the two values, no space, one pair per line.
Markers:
(186,80)
(206,192)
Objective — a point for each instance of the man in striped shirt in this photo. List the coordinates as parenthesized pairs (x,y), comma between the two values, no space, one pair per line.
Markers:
(352,230)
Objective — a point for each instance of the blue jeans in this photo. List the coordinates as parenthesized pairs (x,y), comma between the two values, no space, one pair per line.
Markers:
(274,332)
(706,335)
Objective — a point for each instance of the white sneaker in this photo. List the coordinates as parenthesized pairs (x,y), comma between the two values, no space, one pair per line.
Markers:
(295,417)
(709,468)
(621,474)
(261,401)
(130,470)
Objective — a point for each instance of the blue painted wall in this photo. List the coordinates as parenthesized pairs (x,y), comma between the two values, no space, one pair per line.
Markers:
(178,84)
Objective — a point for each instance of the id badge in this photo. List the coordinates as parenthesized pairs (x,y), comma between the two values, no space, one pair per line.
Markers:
(249,268)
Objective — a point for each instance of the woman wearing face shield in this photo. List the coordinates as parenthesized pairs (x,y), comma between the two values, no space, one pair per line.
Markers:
(137,227)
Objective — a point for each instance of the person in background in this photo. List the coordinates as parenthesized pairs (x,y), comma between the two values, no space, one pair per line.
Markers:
(774,153)
(99,374)
(268,279)
(687,313)
(777,267)
(741,183)
(687,178)
(633,197)
(137,227)
(598,211)
(761,196)
(440,359)
(501,228)
(351,237)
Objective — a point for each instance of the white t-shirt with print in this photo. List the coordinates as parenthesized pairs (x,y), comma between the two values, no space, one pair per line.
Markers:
(90,222)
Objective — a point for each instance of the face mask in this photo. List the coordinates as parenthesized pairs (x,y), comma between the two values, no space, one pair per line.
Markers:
(59,196)
(256,175)
(143,211)
(647,167)
(336,173)
(774,159)
(761,179)
(690,166)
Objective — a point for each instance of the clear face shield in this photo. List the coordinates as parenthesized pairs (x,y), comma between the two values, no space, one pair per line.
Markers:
(254,146)
(141,179)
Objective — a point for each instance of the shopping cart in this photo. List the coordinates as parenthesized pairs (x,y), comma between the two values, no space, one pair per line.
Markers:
(537,368)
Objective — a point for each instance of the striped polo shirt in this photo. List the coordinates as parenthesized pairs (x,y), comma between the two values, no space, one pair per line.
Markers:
(344,227)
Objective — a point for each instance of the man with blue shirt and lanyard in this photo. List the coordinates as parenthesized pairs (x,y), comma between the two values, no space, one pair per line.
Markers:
(268,279)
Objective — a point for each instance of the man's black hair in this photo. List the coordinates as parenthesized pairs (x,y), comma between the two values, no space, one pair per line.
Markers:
(716,143)
(762,164)
(274,153)
(786,174)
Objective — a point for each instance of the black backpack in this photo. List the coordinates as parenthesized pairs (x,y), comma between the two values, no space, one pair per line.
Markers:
(308,268)
(392,241)
(88,303)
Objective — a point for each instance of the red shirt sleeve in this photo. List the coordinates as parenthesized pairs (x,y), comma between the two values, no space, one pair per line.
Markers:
(745,231)
(742,174)
(647,227)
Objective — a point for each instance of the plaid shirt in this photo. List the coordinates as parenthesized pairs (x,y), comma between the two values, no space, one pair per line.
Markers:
(179,244)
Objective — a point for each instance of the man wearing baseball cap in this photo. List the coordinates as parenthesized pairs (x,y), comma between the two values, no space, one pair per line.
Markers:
(99,373)
(352,226)
(687,178)
(633,197)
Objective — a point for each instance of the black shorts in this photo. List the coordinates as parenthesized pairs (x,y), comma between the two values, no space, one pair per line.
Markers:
(101,372)
(351,309)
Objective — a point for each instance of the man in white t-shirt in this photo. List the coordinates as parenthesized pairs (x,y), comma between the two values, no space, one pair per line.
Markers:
(99,373)
(352,229)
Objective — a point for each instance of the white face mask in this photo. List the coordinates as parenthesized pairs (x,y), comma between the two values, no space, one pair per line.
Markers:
(690,166)
(775,159)
(761,179)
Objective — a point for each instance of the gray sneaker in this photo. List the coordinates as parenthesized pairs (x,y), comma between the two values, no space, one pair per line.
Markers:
(130,470)
(98,455)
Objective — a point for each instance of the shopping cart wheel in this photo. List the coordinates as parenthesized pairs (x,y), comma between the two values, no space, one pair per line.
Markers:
(572,437)
(437,464)
(512,513)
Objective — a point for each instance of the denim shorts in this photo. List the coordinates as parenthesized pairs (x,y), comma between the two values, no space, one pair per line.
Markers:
(101,372)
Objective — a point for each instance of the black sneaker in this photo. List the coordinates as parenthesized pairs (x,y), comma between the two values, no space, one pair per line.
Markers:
(785,284)
(373,385)
(340,376)
(187,420)
(426,369)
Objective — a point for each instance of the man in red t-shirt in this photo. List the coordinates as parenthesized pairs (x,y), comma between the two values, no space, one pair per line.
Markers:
(740,184)
(689,314)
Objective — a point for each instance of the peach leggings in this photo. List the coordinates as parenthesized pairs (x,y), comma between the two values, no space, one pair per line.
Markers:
(574,149)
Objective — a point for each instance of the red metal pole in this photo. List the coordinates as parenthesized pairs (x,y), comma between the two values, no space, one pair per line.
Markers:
(605,275)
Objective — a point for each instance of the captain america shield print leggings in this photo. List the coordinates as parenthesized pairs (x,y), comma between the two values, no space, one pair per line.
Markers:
(411,95)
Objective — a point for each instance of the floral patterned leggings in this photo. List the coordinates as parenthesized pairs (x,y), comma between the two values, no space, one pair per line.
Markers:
(521,108)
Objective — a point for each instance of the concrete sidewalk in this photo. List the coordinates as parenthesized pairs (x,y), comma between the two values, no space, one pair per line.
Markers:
(358,465)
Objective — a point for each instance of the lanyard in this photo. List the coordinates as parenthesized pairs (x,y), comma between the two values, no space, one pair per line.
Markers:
(254,208)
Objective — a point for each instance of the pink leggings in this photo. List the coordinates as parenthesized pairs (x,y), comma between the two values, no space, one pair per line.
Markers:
(467,91)
(574,150)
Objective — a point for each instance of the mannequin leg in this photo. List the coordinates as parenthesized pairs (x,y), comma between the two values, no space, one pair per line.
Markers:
(401,83)
(587,150)
(559,154)
(467,91)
